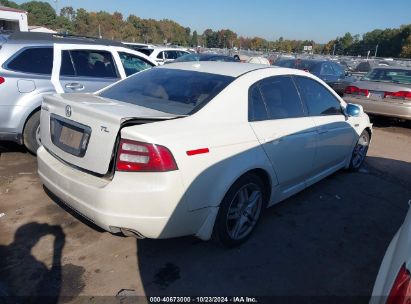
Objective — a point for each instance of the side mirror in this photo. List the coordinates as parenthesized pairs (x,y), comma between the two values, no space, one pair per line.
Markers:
(353,110)
(348,73)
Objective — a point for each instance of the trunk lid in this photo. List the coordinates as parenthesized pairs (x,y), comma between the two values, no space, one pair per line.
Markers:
(377,89)
(382,86)
(82,129)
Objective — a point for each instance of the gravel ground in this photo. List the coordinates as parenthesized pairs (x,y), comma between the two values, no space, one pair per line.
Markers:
(328,240)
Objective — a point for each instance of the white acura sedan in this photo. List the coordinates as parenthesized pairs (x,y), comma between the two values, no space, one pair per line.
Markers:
(196,148)
(393,283)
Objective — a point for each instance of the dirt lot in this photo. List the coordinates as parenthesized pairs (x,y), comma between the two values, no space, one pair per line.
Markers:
(328,240)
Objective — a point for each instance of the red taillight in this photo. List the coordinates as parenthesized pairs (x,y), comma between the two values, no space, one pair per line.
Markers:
(355,90)
(400,94)
(401,289)
(144,157)
(2,80)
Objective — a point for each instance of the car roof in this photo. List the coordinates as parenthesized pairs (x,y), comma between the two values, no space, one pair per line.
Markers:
(208,55)
(233,69)
(396,67)
(164,48)
(46,38)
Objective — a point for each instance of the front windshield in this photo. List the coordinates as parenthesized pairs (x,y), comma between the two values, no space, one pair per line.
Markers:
(173,91)
(401,76)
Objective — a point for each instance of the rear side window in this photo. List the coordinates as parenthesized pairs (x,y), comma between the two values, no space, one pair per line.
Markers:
(37,60)
(281,97)
(256,106)
(320,101)
(168,90)
(171,54)
(88,63)
(146,51)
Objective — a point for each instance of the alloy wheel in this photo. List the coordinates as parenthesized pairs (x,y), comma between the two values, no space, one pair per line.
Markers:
(244,211)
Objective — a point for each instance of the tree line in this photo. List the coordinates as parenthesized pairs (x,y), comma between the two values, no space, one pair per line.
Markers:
(387,43)
(383,43)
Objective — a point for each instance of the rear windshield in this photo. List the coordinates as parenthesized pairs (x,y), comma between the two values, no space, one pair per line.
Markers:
(297,64)
(171,91)
(146,52)
(188,57)
(389,75)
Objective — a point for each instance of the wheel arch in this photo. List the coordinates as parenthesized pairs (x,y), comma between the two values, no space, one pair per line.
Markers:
(264,176)
(206,230)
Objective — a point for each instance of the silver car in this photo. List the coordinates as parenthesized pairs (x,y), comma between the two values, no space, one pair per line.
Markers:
(383,91)
(35,64)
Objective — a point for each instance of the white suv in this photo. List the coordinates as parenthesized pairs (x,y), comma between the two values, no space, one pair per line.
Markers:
(35,64)
(162,54)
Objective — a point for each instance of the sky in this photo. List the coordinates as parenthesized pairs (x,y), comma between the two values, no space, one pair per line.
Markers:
(319,20)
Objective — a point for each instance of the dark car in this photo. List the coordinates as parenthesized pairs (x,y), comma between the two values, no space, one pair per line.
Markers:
(205,57)
(330,72)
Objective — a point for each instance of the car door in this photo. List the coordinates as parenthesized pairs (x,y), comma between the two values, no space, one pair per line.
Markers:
(284,129)
(335,134)
(85,68)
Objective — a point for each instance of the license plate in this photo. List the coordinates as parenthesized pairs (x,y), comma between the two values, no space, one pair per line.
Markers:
(376,95)
(70,136)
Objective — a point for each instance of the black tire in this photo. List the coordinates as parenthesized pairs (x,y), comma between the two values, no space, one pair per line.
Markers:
(221,226)
(29,133)
(356,164)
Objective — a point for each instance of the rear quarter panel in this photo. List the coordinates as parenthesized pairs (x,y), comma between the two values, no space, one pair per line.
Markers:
(221,126)
(21,93)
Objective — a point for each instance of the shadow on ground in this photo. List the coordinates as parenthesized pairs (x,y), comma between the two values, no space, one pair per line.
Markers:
(6,147)
(22,275)
(388,122)
(328,240)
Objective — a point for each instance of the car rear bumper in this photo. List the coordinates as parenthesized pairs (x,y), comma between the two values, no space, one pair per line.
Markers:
(14,137)
(392,109)
(150,204)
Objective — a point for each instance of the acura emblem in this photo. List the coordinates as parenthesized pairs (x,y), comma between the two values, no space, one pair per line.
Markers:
(68,111)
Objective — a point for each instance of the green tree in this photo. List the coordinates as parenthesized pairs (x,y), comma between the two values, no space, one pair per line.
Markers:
(194,39)
(40,13)
(68,12)
(82,22)
(8,3)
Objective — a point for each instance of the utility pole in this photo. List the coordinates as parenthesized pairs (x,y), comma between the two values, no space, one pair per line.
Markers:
(99,31)
(376,50)
(334,50)
(57,6)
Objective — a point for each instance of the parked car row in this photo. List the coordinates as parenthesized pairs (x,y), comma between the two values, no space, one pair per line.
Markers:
(330,72)
(383,91)
(34,64)
(252,133)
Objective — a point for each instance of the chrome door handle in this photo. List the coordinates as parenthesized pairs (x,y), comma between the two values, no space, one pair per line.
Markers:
(75,86)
